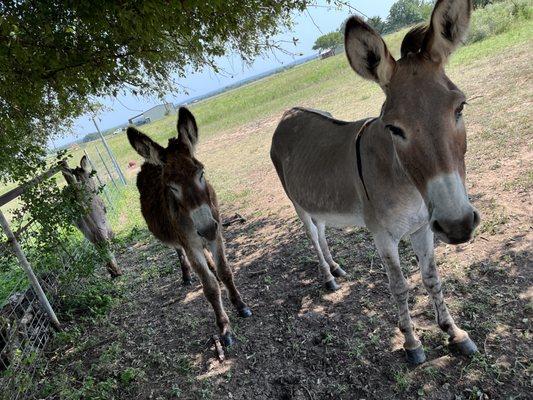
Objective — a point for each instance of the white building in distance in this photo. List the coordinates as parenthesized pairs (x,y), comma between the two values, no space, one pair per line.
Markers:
(153,114)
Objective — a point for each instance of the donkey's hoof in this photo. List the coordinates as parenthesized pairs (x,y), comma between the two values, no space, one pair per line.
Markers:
(245,312)
(227,339)
(467,347)
(187,281)
(415,356)
(332,285)
(338,273)
(114,271)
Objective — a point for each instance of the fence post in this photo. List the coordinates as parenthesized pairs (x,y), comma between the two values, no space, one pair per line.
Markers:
(104,188)
(27,268)
(105,166)
(115,164)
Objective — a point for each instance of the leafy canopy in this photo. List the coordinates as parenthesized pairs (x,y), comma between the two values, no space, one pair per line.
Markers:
(56,55)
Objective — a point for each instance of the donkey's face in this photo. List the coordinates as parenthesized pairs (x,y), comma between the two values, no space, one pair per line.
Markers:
(423,111)
(184,176)
(181,173)
(93,222)
(82,175)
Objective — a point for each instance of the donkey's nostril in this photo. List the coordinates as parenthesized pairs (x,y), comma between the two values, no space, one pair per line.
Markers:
(477,218)
(455,231)
(209,232)
(437,227)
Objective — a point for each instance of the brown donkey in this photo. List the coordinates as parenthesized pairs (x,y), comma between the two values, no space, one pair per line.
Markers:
(180,208)
(93,224)
(400,174)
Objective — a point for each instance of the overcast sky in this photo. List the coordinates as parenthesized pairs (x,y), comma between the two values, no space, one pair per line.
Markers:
(316,21)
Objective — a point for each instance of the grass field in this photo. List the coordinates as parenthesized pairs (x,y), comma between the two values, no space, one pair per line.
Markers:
(304,343)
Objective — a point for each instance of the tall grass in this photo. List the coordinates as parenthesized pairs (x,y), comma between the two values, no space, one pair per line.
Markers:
(498,18)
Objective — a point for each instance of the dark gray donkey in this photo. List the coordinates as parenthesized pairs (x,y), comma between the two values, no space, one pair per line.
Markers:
(93,224)
(401,174)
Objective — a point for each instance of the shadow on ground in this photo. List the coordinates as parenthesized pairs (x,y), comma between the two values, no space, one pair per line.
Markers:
(305,343)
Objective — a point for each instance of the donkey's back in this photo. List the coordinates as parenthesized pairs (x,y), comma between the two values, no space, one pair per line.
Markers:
(309,151)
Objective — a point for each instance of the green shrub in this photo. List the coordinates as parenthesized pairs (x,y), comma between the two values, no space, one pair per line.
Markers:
(498,17)
(91,298)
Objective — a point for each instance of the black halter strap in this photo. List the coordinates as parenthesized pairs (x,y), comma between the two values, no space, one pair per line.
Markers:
(358,151)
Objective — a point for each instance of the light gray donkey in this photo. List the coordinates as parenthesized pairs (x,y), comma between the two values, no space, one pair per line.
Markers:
(93,224)
(400,174)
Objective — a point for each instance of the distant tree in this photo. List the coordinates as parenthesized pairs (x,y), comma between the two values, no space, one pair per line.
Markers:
(329,40)
(377,23)
(90,137)
(426,8)
(57,55)
(406,12)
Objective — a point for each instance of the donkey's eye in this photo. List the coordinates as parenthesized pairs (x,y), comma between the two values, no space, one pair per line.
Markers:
(459,111)
(396,131)
(201,176)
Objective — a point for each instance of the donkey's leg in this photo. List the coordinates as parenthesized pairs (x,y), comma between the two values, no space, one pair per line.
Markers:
(388,250)
(335,269)
(216,247)
(185,266)
(211,290)
(312,234)
(104,248)
(422,242)
(211,263)
(112,266)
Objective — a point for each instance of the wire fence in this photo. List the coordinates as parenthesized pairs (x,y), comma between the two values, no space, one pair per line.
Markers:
(26,321)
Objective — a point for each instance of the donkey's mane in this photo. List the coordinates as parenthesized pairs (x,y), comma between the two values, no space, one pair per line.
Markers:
(413,40)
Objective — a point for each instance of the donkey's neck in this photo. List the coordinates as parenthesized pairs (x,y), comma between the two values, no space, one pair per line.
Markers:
(383,172)
(393,198)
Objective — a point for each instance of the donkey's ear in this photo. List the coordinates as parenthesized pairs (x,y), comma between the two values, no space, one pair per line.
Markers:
(85,165)
(152,152)
(69,176)
(448,28)
(367,53)
(187,128)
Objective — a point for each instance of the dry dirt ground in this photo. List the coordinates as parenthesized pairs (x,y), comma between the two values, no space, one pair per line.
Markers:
(303,343)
